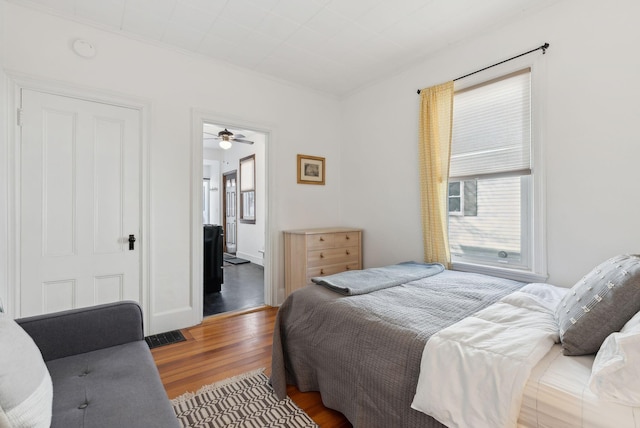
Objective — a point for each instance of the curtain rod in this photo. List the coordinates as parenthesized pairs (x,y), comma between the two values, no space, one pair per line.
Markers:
(543,48)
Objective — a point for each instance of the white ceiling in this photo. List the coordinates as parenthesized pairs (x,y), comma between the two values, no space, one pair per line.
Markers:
(334,46)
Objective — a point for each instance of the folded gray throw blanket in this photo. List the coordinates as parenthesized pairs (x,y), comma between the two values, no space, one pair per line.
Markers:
(356,282)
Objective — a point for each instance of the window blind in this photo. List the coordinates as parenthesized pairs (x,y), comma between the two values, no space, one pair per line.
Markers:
(492,128)
(247,179)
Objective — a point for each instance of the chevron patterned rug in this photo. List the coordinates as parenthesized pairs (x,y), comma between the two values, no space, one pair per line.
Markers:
(244,401)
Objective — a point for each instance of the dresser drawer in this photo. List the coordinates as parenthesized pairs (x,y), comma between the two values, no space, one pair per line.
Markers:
(330,256)
(330,270)
(317,241)
(346,239)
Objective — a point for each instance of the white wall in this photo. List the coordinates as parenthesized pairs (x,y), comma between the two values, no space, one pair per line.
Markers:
(591,141)
(174,84)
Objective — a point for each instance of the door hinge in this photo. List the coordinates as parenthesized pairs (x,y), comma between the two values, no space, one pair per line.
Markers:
(19,117)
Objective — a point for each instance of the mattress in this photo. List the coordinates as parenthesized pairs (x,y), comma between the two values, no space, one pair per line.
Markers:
(557,395)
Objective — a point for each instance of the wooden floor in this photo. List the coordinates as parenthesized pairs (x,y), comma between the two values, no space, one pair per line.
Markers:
(227,345)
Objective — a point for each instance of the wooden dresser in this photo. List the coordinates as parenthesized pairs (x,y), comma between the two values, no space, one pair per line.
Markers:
(319,252)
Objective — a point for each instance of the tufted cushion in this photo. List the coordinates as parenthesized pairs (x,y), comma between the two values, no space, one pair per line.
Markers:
(599,304)
(117,386)
(26,392)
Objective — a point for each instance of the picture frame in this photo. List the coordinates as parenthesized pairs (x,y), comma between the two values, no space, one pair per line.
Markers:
(311,169)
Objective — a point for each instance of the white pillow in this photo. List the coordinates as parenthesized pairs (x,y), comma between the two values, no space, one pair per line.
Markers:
(616,367)
(26,392)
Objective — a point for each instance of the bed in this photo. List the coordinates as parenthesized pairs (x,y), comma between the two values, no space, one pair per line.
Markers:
(363,352)
(558,395)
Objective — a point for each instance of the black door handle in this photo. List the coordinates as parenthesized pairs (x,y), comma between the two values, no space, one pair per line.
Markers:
(132,239)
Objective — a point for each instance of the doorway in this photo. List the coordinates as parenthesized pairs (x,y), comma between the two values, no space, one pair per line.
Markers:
(243,285)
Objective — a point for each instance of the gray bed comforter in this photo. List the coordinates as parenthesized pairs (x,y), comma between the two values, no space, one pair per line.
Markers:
(363,352)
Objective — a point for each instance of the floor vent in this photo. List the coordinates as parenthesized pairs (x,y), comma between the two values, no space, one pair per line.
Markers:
(164,339)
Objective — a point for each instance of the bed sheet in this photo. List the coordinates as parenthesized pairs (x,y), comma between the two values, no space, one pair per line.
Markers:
(558,395)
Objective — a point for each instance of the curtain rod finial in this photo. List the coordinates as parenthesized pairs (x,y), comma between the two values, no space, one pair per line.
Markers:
(418,91)
(544,48)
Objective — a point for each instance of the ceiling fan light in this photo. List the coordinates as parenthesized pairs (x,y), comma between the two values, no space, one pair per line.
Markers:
(225,144)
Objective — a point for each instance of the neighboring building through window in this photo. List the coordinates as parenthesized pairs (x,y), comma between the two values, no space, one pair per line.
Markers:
(463,197)
(490,178)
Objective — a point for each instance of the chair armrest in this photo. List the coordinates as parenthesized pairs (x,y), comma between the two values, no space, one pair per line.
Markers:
(61,334)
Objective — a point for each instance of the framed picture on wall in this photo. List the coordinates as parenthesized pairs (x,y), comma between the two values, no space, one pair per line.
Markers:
(310,170)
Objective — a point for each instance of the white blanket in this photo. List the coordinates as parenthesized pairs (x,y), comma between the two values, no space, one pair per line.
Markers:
(473,373)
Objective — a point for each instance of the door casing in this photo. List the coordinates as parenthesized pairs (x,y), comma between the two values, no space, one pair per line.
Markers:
(272,295)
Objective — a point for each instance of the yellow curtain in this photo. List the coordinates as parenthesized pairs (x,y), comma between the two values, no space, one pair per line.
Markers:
(436,112)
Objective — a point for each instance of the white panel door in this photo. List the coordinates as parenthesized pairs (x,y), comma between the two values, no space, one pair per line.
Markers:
(80,201)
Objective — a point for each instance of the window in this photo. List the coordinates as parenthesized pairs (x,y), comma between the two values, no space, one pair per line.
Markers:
(248,189)
(490,177)
(455,198)
(463,197)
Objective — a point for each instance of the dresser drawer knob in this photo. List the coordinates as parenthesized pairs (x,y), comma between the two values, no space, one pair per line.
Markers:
(321,271)
(321,239)
(322,255)
(347,268)
(347,237)
(348,252)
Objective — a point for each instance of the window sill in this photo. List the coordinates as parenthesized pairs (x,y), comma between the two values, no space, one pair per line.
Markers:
(515,274)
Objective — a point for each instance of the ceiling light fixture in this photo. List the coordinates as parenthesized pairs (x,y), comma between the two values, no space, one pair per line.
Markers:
(225,144)
(225,139)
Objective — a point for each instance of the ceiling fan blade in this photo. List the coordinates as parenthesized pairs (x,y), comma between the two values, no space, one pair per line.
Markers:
(236,140)
(211,138)
(210,133)
(236,136)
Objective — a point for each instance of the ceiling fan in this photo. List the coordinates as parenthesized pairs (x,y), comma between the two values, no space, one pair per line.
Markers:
(226,137)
